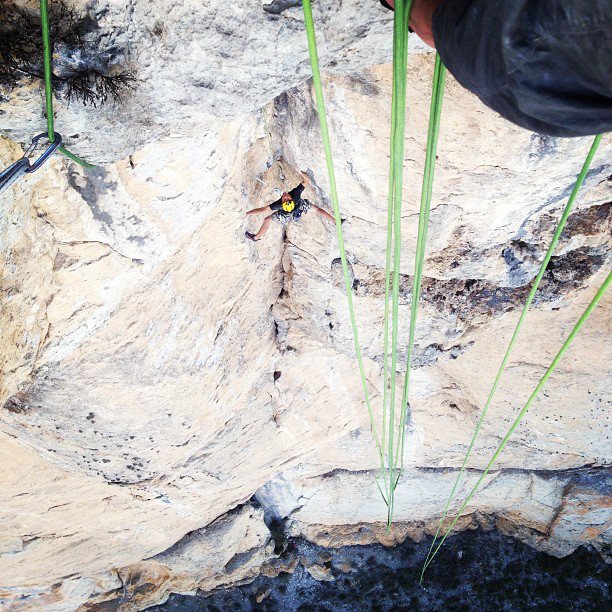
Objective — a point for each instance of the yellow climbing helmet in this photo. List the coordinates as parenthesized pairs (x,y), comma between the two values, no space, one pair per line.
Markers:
(288,206)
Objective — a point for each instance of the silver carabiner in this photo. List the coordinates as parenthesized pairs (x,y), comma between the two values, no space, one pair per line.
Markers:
(15,171)
(53,146)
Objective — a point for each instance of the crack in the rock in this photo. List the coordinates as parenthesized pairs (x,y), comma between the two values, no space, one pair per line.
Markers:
(301,249)
(101,243)
(544,473)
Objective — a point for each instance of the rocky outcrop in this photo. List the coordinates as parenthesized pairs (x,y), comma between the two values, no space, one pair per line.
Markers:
(194,64)
(158,371)
(552,511)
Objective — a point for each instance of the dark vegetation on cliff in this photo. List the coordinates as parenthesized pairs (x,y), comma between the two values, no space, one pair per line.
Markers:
(80,72)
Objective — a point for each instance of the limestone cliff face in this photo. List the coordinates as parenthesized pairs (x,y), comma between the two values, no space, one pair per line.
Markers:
(167,385)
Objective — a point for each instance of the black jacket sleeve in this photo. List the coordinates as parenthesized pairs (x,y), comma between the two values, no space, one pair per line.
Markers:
(277,205)
(545,65)
(296,193)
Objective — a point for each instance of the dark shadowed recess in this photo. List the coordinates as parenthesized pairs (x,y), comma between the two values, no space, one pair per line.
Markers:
(475,570)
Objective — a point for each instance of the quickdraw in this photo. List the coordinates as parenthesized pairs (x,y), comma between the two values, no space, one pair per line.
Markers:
(24,165)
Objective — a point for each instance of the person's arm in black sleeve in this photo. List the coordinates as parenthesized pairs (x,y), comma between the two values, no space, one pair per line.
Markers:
(277,205)
(271,208)
(296,193)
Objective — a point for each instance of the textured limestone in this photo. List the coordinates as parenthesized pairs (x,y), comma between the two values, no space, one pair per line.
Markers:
(232,550)
(553,511)
(196,62)
(158,370)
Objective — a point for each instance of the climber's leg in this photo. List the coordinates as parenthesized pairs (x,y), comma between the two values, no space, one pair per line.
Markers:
(262,230)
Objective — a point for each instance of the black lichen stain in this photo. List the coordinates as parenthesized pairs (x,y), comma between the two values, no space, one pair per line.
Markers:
(90,186)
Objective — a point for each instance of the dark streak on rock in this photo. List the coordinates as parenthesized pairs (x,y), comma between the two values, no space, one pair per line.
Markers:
(89,186)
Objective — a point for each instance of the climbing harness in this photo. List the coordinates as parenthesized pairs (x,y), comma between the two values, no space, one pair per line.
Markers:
(302,209)
(391,458)
(288,206)
(23,166)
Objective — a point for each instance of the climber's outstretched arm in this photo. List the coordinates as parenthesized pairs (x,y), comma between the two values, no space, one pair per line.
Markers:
(323,213)
(256,211)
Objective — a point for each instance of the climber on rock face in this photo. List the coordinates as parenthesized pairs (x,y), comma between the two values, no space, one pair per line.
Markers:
(545,65)
(290,206)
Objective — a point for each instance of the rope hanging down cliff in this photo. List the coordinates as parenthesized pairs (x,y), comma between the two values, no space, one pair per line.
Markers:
(389,459)
(585,315)
(390,445)
(504,362)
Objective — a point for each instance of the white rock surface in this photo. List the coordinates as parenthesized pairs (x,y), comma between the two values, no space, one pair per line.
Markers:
(197,62)
(141,333)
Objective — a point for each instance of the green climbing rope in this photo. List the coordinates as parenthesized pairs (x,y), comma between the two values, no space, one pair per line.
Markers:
(395,453)
(392,456)
(426,195)
(390,446)
(401,18)
(555,239)
(44,18)
(318,89)
(388,279)
(585,315)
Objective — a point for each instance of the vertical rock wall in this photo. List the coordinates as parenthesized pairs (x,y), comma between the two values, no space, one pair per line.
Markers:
(158,370)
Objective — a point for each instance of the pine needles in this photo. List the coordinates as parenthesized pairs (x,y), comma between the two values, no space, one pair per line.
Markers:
(93,87)
(81,75)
